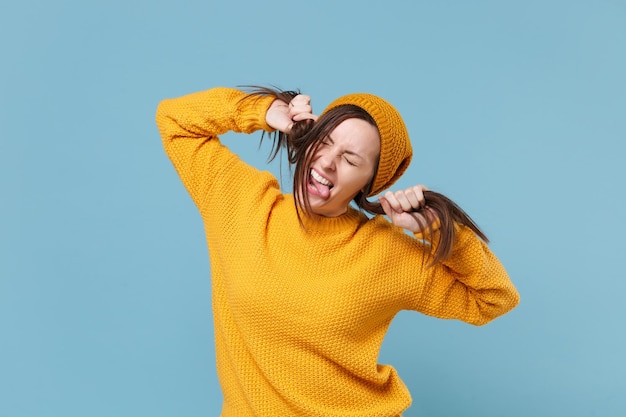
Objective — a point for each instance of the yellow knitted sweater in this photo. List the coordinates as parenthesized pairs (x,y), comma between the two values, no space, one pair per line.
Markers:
(300,314)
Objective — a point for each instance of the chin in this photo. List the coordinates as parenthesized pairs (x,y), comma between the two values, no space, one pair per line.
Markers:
(326,212)
(322,207)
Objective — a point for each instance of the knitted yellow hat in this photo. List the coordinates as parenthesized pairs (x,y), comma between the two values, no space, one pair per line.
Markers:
(395,146)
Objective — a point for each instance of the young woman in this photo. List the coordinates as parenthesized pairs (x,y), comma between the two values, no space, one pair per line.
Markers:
(304,285)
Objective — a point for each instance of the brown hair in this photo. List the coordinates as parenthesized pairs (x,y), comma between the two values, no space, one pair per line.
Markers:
(303,141)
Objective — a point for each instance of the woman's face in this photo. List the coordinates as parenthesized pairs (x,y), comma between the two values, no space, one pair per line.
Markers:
(343,164)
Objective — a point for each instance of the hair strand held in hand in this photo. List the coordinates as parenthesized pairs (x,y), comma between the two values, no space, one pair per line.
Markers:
(449,214)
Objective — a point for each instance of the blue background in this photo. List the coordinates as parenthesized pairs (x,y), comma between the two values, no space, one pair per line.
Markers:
(516,111)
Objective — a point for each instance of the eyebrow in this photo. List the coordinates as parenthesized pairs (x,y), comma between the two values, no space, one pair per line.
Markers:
(348,151)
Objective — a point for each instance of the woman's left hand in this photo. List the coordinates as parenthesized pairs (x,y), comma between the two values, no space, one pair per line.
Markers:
(402,208)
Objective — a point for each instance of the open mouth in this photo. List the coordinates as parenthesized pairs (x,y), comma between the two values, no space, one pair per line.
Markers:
(319,185)
(317,177)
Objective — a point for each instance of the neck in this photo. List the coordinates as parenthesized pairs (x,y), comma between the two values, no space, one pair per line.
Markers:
(315,222)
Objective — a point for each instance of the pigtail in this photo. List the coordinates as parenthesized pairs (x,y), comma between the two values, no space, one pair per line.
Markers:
(449,214)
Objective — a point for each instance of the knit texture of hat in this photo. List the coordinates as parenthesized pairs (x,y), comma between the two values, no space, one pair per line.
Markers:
(395,146)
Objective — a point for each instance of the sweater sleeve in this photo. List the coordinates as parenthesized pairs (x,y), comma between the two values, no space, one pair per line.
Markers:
(471,285)
(189,127)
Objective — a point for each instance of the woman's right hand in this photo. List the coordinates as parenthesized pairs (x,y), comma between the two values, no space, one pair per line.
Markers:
(281,116)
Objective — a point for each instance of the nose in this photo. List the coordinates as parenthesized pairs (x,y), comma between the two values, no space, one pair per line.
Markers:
(327,160)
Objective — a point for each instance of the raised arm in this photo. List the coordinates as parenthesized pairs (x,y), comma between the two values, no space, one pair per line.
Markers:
(189,127)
